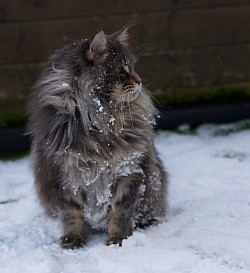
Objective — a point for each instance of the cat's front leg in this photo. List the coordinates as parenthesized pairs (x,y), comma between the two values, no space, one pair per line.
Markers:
(73,220)
(121,211)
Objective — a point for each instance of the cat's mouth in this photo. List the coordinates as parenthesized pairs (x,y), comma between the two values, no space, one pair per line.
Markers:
(127,93)
(132,88)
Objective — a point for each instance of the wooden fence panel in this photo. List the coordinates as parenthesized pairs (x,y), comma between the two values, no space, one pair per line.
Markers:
(161,72)
(29,42)
(203,67)
(189,44)
(31,10)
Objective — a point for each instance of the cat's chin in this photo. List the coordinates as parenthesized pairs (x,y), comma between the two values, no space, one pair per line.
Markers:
(127,93)
(137,88)
(131,92)
(134,92)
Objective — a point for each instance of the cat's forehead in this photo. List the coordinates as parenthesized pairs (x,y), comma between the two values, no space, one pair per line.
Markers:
(120,53)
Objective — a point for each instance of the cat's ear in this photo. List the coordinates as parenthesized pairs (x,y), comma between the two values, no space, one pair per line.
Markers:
(98,46)
(123,37)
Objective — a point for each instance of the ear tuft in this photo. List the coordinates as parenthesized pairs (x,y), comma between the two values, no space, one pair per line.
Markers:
(97,46)
(123,37)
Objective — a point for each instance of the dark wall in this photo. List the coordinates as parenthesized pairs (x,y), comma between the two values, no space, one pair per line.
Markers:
(188,48)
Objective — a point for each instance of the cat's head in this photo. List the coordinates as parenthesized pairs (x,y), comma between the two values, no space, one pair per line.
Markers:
(113,65)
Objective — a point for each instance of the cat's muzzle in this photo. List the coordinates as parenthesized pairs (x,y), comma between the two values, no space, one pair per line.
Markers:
(132,88)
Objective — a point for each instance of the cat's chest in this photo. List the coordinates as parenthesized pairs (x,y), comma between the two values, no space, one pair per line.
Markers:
(97,169)
(99,178)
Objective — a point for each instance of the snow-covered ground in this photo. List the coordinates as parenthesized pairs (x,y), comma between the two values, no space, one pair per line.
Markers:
(208,226)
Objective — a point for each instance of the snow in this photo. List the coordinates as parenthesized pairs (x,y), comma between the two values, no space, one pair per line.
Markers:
(64,84)
(208,226)
(112,120)
(98,104)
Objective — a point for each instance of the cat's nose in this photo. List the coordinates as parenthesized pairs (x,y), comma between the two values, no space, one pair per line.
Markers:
(136,78)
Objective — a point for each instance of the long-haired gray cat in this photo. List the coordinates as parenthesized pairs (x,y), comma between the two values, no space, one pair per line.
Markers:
(93,155)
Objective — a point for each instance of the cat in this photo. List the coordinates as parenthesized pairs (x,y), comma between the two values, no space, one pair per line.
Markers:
(91,125)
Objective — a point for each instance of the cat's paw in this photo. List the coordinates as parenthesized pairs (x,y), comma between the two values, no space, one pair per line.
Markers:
(72,241)
(147,223)
(114,241)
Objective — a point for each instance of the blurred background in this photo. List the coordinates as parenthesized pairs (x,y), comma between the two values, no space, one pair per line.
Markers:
(194,56)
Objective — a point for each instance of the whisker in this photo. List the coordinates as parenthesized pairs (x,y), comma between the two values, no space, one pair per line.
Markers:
(143,48)
(122,112)
(129,110)
(151,96)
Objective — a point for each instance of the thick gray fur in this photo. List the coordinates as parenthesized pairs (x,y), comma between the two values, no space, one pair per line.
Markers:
(93,155)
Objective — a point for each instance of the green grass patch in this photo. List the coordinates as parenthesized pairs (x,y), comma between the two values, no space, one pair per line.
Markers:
(12,115)
(14,156)
(203,95)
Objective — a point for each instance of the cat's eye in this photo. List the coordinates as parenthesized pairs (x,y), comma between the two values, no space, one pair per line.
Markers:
(118,70)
